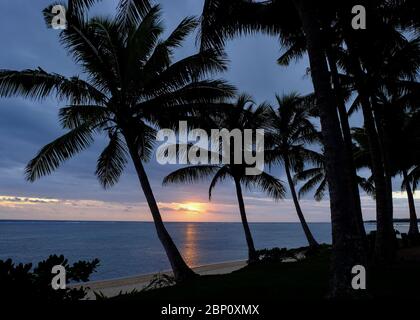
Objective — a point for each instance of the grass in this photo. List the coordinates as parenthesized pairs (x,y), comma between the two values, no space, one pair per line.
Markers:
(304,280)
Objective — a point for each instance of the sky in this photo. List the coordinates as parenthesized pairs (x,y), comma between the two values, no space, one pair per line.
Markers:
(72,192)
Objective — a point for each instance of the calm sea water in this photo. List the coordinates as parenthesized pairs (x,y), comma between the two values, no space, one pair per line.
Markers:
(131,248)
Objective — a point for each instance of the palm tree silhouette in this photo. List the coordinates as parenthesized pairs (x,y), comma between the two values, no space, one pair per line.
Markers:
(315,177)
(240,115)
(223,20)
(375,71)
(292,131)
(130,89)
(402,126)
(409,185)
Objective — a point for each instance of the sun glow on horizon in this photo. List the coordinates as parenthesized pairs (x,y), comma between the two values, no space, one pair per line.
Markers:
(190,211)
(193,207)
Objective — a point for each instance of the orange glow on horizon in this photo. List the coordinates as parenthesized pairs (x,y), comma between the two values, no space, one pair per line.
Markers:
(187,211)
(193,207)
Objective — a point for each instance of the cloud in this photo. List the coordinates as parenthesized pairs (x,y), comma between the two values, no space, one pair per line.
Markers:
(403,195)
(8,200)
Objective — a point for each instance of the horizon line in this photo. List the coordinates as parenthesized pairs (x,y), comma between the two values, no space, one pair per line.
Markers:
(148,221)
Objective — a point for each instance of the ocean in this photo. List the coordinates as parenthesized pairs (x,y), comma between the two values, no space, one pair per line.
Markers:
(132,248)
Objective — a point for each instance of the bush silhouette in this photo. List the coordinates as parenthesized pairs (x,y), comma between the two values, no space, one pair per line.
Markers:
(20,281)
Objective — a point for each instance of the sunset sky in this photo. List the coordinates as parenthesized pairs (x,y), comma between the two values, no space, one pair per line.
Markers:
(72,192)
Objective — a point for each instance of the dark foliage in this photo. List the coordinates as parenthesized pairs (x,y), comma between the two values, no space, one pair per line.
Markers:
(22,282)
(276,255)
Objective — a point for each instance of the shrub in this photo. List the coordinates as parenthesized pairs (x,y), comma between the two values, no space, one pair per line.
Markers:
(281,254)
(20,281)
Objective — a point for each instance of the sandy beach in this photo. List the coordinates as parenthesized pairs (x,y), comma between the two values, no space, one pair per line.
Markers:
(113,287)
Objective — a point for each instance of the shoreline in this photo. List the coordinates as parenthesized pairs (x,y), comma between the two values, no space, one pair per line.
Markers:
(112,287)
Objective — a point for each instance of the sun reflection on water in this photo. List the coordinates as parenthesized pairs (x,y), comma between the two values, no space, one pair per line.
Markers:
(190,250)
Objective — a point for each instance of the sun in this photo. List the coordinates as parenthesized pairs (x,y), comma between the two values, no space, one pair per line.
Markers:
(193,207)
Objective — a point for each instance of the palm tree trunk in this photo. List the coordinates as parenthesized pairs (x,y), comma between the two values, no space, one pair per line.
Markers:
(252,254)
(384,143)
(348,248)
(345,127)
(385,237)
(414,226)
(180,269)
(311,240)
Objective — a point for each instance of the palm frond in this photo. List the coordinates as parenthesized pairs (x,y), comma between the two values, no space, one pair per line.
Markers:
(162,54)
(293,52)
(367,185)
(53,154)
(38,84)
(130,13)
(74,116)
(92,45)
(143,40)
(191,174)
(317,180)
(222,20)
(200,92)
(220,175)
(186,71)
(265,182)
(321,190)
(111,162)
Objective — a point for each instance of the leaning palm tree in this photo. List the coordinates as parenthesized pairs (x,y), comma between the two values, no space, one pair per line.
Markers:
(292,132)
(130,88)
(236,116)
(409,185)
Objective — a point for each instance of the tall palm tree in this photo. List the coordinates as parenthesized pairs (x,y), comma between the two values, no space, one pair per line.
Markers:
(385,27)
(294,49)
(292,131)
(223,20)
(393,69)
(403,129)
(240,115)
(402,126)
(130,88)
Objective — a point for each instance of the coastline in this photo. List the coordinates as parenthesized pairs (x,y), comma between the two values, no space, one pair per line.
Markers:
(113,287)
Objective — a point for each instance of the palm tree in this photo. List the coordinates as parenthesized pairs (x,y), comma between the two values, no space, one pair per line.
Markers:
(237,116)
(295,49)
(402,124)
(393,69)
(409,154)
(409,185)
(292,130)
(385,28)
(130,88)
(402,128)
(315,177)
(223,20)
